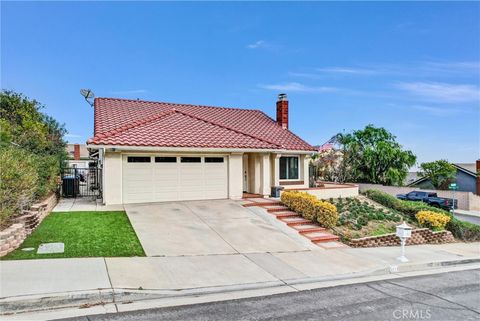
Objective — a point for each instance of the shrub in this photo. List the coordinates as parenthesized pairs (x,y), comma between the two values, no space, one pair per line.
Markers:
(326,213)
(48,169)
(310,207)
(465,231)
(432,220)
(18,181)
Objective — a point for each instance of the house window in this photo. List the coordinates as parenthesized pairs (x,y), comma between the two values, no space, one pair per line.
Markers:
(191,159)
(165,159)
(138,159)
(289,167)
(213,159)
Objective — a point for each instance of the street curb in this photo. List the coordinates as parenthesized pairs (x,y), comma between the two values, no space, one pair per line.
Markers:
(83,299)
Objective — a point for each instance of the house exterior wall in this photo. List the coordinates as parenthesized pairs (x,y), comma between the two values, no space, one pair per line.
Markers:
(78,163)
(303,176)
(465,183)
(262,173)
(112,183)
(235,176)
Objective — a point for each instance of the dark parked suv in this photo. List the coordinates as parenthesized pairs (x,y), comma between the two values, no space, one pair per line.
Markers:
(430,198)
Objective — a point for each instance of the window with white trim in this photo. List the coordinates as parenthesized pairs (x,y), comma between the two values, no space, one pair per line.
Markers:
(289,167)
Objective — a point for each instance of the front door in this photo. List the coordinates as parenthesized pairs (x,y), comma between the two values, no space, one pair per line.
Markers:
(245,173)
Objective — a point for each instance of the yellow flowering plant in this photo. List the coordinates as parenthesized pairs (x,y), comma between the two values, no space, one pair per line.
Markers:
(433,220)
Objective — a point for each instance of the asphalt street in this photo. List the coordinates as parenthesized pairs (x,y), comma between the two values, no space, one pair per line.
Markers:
(448,296)
(468,218)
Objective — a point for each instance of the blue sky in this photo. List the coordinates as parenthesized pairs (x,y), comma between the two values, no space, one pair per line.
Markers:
(413,68)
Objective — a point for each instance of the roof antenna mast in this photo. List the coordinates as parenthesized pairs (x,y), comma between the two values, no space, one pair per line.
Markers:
(87,94)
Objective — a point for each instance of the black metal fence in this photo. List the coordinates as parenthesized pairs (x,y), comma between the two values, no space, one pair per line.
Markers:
(82,182)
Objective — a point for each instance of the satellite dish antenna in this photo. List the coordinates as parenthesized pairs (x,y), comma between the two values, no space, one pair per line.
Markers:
(87,94)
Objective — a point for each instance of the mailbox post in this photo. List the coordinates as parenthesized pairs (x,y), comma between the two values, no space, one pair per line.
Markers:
(403,232)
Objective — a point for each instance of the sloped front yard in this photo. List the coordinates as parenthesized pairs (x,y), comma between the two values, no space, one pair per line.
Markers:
(85,234)
(360,217)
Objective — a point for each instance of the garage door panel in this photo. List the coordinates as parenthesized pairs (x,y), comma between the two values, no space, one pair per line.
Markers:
(191,195)
(171,181)
(165,196)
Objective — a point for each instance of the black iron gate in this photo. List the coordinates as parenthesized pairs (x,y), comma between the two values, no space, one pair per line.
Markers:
(82,182)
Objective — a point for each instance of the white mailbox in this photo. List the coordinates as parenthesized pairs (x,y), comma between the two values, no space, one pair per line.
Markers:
(404,231)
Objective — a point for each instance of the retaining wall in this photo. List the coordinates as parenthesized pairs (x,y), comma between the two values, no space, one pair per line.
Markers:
(14,235)
(419,236)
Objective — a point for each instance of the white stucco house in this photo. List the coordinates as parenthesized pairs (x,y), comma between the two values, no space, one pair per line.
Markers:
(155,151)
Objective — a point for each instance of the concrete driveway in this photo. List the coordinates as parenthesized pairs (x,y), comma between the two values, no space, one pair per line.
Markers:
(205,228)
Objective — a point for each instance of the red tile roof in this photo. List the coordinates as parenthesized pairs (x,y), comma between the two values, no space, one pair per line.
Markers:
(126,122)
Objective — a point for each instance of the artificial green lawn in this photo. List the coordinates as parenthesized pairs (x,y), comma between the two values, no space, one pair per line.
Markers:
(85,234)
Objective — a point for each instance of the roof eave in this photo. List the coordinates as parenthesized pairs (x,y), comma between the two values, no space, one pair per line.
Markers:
(198,149)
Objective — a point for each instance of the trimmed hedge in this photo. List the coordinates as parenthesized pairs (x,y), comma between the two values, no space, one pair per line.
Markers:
(409,208)
(311,208)
(465,231)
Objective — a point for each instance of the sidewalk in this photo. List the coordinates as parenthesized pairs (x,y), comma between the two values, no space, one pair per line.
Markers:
(30,285)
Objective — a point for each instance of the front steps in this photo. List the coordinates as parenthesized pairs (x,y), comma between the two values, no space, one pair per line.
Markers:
(314,232)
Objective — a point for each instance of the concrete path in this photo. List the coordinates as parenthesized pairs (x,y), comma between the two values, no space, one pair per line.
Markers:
(28,277)
(447,296)
(84,204)
(205,228)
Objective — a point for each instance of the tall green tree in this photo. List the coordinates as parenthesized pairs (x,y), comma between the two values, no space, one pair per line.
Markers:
(374,156)
(32,150)
(440,173)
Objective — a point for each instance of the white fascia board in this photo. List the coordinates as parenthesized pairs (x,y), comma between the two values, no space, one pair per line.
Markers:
(197,150)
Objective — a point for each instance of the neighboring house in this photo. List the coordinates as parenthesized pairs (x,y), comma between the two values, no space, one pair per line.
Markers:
(154,151)
(78,156)
(466,178)
(411,177)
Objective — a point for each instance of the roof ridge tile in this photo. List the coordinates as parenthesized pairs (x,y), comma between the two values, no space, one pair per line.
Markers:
(177,104)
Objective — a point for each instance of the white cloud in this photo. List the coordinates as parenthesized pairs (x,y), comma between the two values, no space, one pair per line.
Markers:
(347,70)
(129,92)
(257,44)
(298,87)
(441,92)
(437,111)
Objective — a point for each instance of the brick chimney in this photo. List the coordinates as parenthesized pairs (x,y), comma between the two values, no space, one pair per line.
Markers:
(478,176)
(76,152)
(282,111)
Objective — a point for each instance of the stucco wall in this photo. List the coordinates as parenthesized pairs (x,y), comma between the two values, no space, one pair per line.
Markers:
(331,191)
(466,200)
(112,184)
(473,202)
(235,176)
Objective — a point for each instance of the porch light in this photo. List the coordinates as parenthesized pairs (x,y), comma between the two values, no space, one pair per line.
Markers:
(403,232)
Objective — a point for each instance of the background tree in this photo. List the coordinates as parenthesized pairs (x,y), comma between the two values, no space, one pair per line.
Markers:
(374,156)
(32,150)
(440,173)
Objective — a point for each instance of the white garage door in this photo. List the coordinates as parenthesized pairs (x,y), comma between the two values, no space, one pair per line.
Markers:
(174,178)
